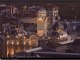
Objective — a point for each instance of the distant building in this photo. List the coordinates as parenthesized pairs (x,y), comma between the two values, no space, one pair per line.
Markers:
(53,46)
(34,8)
(17,42)
(7,11)
(52,13)
(3,47)
(42,23)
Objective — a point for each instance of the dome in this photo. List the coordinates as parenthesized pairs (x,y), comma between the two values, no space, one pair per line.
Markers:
(42,11)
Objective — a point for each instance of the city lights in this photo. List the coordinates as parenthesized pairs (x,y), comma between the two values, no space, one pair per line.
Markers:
(8,36)
(12,53)
(24,37)
(16,36)
(47,29)
(12,42)
(17,43)
(24,43)
(48,37)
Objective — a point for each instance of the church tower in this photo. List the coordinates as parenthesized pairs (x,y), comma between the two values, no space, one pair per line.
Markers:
(42,23)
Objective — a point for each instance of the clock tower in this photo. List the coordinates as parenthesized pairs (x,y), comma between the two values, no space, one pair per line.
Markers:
(42,23)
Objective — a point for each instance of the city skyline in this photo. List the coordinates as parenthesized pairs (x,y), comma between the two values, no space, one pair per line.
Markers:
(39,29)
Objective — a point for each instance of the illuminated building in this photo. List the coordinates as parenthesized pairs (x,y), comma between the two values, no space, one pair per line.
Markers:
(42,23)
(51,12)
(17,42)
(7,10)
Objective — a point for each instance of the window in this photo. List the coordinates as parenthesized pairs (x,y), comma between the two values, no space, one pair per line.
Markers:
(51,16)
(21,42)
(15,42)
(47,15)
(50,12)
(47,12)
(26,43)
(0,40)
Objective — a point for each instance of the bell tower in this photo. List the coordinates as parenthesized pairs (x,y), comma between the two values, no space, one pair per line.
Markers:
(42,23)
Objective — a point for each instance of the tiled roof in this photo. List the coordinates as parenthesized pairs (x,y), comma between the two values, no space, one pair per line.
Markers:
(5,7)
(33,15)
(52,44)
(27,14)
(4,20)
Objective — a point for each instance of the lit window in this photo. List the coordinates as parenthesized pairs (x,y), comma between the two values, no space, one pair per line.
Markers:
(7,42)
(17,43)
(47,12)
(8,36)
(12,42)
(27,43)
(12,53)
(24,37)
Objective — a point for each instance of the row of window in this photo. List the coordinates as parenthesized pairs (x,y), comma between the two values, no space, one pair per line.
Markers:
(49,12)
(61,48)
(34,43)
(19,43)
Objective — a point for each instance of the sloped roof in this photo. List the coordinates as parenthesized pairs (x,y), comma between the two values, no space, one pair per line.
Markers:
(33,15)
(52,44)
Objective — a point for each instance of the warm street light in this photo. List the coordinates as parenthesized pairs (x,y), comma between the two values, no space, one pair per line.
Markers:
(24,37)
(8,36)
(12,53)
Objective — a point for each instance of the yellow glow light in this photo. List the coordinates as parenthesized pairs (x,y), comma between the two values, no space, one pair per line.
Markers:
(12,43)
(40,20)
(7,43)
(8,36)
(48,37)
(24,43)
(17,43)
(12,53)
(16,36)
(58,38)
(24,37)
(7,53)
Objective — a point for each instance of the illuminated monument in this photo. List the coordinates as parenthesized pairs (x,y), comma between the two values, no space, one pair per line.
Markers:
(42,23)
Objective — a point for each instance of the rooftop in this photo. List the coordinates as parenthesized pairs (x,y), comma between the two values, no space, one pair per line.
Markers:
(27,14)
(49,6)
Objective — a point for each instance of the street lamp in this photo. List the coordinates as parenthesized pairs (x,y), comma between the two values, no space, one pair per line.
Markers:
(8,36)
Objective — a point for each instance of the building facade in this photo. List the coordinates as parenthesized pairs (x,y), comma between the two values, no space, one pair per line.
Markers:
(52,13)
(17,44)
(42,23)
(3,47)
